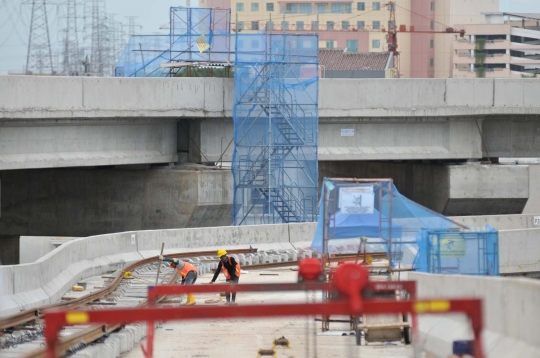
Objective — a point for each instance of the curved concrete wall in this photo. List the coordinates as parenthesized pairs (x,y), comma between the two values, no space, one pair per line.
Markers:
(511,314)
(46,280)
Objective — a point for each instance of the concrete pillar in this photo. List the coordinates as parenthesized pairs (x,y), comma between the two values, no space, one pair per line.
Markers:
(9,250)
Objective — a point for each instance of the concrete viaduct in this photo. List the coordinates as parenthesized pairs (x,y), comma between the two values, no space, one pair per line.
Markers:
(61,122)
(78,156)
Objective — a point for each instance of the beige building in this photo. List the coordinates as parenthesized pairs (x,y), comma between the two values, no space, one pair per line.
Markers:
(505,46)
(358,26)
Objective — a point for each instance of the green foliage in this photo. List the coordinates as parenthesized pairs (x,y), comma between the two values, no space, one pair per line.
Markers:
(480,44)
(205,72)
(480,72)
(480,58)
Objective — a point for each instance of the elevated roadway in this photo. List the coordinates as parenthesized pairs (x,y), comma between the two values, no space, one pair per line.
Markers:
(61,122)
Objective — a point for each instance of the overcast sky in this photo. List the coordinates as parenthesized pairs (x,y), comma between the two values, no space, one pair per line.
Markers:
(15,20)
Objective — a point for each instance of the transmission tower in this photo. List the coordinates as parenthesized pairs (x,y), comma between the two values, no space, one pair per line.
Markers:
(132,25)
(97,40)
(72,56)
(39,55)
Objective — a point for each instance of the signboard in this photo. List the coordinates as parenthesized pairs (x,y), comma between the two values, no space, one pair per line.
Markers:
(358,200)
(453,248)
(202,44)
(536,220)
(347,132)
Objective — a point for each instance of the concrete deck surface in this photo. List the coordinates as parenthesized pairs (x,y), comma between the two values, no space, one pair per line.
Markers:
(244,337)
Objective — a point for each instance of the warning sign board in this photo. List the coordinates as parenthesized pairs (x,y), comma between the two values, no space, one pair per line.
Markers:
(453,248)
(359,200)
(202,44)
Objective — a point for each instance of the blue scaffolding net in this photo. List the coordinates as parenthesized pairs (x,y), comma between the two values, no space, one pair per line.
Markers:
(197,35)
(373,215)
(275,112)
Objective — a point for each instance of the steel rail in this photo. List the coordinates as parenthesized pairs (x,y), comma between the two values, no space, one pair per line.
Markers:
(91,334)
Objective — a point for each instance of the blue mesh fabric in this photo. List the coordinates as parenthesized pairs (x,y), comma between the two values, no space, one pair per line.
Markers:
(428,241)
(196,35)
(275,112)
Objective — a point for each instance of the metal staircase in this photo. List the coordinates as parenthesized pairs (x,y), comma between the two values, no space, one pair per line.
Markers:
(270,135)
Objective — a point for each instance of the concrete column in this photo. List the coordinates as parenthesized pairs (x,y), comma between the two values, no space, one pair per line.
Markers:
(9,250)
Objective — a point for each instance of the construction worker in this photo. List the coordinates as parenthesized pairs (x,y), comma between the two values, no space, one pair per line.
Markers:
(188,273)
(231,271)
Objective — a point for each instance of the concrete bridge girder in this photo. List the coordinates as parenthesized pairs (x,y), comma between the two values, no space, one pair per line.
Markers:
(62,122)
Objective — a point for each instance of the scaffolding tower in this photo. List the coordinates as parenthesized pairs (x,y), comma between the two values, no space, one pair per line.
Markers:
(275,114)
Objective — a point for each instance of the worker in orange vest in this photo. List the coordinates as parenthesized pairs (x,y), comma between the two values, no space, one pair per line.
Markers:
(188,273)
(231,271)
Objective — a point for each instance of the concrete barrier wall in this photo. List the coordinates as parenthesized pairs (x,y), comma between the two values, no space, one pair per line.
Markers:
(499,222)
(92,97)
(519,251)
(46,280)
(511,314)
(83,97)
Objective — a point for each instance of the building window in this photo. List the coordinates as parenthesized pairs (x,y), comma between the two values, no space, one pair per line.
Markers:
(254,25)
(329,25)
(376,25)
(376,6)
(376,43)
(431,43)
(337,7)
(270,25)
(361,25)
(305,8)
(352,45)
(321,8)
(284,25)
(239,6)
(432,8)
(329,43)
(345,25)
(431,62)
(348,8)
(240,25)
(254,6)
(391,24)
(291,8)
(361,6)
(315,25)
(432,25)
(269,6)
(299,25)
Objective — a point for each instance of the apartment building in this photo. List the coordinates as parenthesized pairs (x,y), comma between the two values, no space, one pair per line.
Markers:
(358,26)
(505,46)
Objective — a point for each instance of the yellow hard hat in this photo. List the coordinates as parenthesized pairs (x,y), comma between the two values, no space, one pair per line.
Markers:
(221,252)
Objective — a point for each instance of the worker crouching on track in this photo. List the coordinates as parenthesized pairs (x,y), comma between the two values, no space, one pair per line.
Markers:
(188,273)
(231,271)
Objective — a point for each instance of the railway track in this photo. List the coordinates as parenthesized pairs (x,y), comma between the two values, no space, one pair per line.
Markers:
(30,320)
(133,293)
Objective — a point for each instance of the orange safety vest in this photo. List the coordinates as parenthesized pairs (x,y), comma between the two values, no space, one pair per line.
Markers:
(186,269)
(226,272)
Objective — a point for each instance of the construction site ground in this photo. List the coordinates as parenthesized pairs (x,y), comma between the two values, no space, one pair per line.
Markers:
(244,337)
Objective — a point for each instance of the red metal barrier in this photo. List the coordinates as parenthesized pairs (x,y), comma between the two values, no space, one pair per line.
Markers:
(350,285)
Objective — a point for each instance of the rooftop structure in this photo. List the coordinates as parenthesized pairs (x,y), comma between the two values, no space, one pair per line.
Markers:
(339,63)
(505,46)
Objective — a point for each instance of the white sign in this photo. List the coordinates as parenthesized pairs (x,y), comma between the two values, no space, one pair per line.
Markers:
(537,220)
(359,200)
(347,132)
(132,239)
